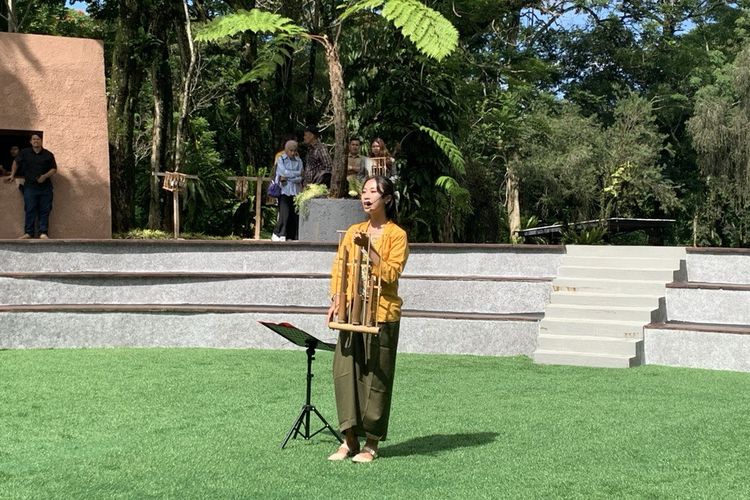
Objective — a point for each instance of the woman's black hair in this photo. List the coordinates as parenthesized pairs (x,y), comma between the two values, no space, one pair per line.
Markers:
(385,188)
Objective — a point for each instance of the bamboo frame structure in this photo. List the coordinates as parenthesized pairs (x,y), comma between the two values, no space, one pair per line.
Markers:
(358,312)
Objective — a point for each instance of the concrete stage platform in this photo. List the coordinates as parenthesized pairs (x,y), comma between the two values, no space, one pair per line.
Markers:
(467,299)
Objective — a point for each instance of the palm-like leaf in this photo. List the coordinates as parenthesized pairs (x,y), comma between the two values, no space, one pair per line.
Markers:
(448,147)
(272,55)
(255,20)
(428,29)
(432,33)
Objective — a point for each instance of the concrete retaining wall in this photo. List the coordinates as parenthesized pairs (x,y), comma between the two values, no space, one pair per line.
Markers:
(685,348)
(418,335)
(703,305)
(718,265)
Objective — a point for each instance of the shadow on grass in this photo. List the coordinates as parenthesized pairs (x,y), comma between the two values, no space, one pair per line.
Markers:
(432,445)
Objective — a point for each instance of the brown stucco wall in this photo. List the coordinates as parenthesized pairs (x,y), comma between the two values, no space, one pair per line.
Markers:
(56,85)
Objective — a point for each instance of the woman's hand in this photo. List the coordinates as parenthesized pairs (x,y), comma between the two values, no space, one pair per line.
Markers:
(332,310)
(362,240)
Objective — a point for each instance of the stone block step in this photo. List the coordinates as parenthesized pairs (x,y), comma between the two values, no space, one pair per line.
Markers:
(621,262)
(468,294)
(615,273)
(264,256)
(610,313)
(593,285)
(591,327)
(236,327)
(604,299)
(698,345)
(628,251)
(584,359)
(589,344)
(708,303)
(719,265)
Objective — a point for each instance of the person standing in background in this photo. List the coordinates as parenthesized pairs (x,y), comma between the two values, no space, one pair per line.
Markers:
(289,176)
(36,165)
(318,164)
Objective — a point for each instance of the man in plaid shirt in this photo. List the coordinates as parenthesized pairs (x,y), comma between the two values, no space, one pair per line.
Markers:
(318,164)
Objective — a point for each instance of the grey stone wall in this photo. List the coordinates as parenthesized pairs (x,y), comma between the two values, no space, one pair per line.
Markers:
(716,351)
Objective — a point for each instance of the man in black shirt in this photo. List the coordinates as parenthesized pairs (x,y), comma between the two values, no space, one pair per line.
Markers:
(37,165)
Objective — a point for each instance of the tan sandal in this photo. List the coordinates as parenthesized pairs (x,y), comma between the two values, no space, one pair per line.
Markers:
(342,453)
(365,456)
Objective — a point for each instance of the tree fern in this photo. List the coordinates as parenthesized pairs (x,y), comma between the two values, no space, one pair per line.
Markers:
(255,20)
(448,147)
(359,7)
(270,56)
(433,34)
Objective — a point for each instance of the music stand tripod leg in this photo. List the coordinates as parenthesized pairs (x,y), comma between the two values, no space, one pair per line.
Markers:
(304,416)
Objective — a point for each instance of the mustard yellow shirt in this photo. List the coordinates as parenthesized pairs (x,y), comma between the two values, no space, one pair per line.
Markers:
(393,249)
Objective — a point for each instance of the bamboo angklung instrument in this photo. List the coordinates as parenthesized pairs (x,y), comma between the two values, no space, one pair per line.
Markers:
(341,315)
(357,312)
(380,166)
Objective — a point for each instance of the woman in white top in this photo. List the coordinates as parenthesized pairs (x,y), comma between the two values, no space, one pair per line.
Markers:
(289,175)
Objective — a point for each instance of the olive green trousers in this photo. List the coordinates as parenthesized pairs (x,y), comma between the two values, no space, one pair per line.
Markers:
(363,368)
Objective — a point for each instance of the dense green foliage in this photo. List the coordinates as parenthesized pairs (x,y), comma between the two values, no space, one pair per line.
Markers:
(596,108)
(199,423)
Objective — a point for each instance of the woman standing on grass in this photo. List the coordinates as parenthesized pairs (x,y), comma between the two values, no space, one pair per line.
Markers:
(364,364)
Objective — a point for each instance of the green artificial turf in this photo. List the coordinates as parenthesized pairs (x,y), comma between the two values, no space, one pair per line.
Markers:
(195,423)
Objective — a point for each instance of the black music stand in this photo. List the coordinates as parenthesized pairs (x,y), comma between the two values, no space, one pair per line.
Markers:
(304,339)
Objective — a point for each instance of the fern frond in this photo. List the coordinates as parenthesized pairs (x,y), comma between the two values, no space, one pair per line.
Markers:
(270,56)
(359,7)
(459,195)
(448,147)
(431,33)
(255,20)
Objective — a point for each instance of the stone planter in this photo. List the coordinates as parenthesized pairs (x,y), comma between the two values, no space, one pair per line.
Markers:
(326,216)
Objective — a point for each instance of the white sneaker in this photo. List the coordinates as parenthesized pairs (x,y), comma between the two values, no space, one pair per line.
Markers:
(277,238)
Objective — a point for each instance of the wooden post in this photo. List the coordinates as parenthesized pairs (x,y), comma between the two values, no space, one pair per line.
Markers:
(258,206)
(176,182)
(176,212)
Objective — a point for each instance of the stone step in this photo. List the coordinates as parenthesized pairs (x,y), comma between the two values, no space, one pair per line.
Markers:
(236,327)
(591,327)
(265,256)
(603,299)
(597,312)
(468,294)
(719,265)
(621,262)
(614,273)
(584,359)
(708,303)
(589,344)
(613,286)
(627,251)
(698,345)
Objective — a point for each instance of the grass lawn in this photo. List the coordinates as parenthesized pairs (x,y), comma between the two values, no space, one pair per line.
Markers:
(195,423)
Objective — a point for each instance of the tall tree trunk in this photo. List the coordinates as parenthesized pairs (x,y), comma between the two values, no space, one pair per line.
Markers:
(8,15)
(512,203)
(125,84)
(189,60)
(161,81)
(339,186)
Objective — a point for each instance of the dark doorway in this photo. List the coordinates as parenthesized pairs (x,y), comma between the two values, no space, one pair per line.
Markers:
(10,138)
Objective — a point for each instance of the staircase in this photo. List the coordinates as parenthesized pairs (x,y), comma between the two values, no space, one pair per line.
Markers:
(602,298)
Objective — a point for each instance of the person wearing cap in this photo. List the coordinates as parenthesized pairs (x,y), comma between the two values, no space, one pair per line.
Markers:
(318,164)
(37,165)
